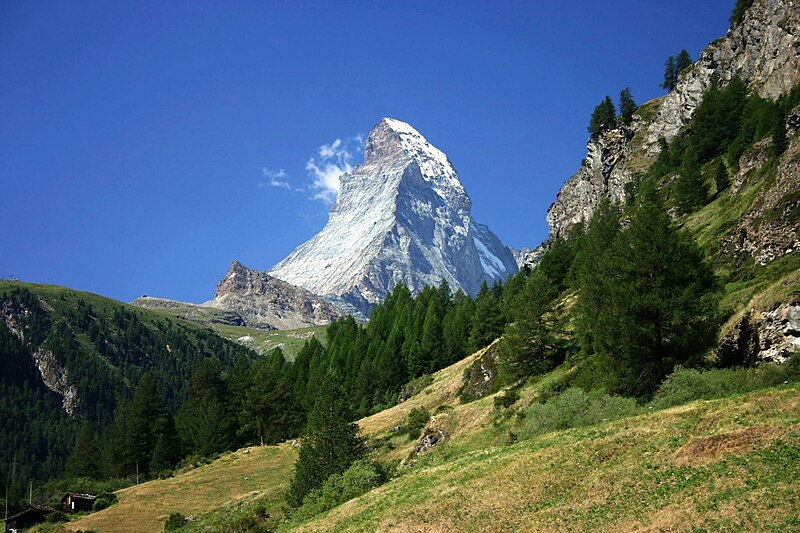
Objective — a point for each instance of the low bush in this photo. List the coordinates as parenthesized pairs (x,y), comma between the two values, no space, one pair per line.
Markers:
(414,387)
(174,521)
(360,478)
(416,421)
(687,384)
(573,408)
(506,400)
(104,500)
(56,516)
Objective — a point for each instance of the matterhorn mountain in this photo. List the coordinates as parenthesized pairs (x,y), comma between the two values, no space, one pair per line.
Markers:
(402,216)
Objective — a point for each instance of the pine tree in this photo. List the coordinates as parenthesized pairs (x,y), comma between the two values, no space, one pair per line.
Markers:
(487,324)
(721,178)
(330,441)
(431,348)
(739,10)
(270,408)
(604,117)
(691,191)
(83,461)
(660,309)
(456,328)
(529,344)
(626,105)
(779,140)
(670,74)
(144,411)
(204,420)
(167,451)
(592,282)
(682,62)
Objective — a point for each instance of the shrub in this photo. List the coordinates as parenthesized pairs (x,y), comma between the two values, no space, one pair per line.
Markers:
(504,401)
(56,516)
(415,386)
(574,408)
(687,385)
(416,420)
(175,521)
(104,499)
(360,478)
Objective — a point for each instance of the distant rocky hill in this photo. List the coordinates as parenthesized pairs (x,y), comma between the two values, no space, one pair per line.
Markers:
(265,301)
(70,356)
(247,297)
(400,217)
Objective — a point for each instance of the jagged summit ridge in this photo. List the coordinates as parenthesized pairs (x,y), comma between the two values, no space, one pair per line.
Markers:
(401,216)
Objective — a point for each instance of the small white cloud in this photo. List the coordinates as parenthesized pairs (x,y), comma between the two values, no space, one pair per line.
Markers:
(329,150)
(275,178)
(334,159)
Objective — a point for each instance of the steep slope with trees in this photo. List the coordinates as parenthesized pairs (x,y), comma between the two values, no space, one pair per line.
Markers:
(71,360)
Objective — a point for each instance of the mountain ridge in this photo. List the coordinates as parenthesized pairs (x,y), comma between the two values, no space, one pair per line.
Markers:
(402,216)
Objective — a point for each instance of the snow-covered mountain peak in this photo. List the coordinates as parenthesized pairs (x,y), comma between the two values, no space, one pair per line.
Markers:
(391,136)
(400,217)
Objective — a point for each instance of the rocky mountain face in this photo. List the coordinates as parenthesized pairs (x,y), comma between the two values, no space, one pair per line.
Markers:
(762,50)
(400,217)
(264,301)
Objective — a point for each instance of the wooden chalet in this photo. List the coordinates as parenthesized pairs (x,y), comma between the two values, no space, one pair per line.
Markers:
(30,517)
(75,503)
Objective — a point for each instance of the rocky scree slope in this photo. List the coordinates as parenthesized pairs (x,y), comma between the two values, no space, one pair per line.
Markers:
(402,216)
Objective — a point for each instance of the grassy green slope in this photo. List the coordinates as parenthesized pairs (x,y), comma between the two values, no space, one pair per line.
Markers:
(262,341)
(726,464)
(236,479)
(723,464)
(288,340)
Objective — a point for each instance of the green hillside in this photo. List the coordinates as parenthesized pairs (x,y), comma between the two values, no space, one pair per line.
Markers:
(729,463)
(93,351)
(224,323)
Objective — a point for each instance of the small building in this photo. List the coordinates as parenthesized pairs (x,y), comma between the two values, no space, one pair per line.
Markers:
(31,516)
(75,503)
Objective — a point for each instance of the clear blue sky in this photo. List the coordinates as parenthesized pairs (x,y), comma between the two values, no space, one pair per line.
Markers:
(144,145)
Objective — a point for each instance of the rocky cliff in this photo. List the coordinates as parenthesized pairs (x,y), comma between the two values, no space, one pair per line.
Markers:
(763,50)
(400,217)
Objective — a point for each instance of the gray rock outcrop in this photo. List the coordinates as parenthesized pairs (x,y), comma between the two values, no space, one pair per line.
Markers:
(763,335)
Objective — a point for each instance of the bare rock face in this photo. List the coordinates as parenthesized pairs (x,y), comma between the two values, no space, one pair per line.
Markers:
(771,228)
(602,173)
(772,335)
(520,256)
(402,216)
(54,375)
(55,378)
(763,50)
(267,302)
